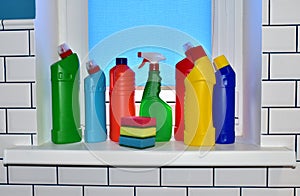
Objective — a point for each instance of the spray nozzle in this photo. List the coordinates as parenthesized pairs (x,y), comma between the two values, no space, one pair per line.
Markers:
(64,50)
(92,67)
(151,57)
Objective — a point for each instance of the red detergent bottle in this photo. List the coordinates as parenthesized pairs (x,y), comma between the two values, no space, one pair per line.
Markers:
(121,96)
(183,68)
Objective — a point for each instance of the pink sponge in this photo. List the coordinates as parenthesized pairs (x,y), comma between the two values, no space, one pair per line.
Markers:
(137,121)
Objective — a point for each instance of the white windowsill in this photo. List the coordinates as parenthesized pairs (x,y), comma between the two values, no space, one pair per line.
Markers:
(163,154)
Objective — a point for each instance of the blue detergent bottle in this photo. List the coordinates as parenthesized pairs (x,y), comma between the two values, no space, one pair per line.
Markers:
(95,111)
(224,101)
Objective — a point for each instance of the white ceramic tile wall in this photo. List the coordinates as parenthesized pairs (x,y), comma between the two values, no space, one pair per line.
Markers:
(187,177)
(285,66)
(1,69)
(134,176)
(21,121)
(264,121)
(2,121)
(268,192)
(89,175)
(20,190)
(285,12)
(240,177)
(14,43)
(285,37)
(160,191)
(272,93)
(280,126)
(57,191)
(265,66)
(284,177)
(285,120)
(3,173)
(214,192)
(108,191)
(32,175)
(16,95)
(20,69)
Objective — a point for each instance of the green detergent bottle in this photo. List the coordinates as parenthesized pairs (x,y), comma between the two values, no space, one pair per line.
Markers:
(65,98)
(152,105)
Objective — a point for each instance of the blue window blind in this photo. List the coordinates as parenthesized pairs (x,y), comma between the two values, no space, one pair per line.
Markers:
(122,28)
(17,9)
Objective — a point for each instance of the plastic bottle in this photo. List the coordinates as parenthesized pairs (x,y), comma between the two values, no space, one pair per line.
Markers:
(224,101)
(199,83)
(95,111)
(121,96)
(152,105)
(65,98)
(183,68)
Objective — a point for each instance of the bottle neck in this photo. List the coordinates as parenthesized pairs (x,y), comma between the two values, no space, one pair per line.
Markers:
(152,88)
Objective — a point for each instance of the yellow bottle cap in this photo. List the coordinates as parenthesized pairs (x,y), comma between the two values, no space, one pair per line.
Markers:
(221,62)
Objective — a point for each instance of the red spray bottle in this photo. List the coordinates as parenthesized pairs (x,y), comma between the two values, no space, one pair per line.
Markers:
(121,96)
(183,68)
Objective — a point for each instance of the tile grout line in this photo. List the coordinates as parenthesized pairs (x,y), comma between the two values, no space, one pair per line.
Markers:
(296,146)
(31,95)
(268,121)
(269,66)
(57,182)
(160,176)
(4,68)
(134,191)
(296,94)
(6,121)
(297,38)
(83,187)
(29,45)
(7,175)
(32,190)
(213,174)
(241,191)
(269,12)
(107,168)
(267,177)
(187,191)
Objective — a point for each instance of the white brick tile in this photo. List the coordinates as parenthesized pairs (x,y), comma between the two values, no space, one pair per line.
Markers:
(284,120)
(240,177)
(32,42)
(279,39)
(80,175)
(187,177)
(264,121)
(1,69)
(16,95)
(22,121)
(34,140)
(14,43)
(278,140)
(298,94)
(8,141)
(3,173)
(11,190)
(32,175)
(267,192)
(161,191)
(298,147)
(265,12)
(287,177)
(20,69)
(108,191)
(33,94)
(214,191)
(2,121)
(134,176)
(278,93)
(18,24)
(285,66)
(285,12)
(265,66)
(57,191)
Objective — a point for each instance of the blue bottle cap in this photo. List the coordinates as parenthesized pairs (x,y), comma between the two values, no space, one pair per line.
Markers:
(121,61)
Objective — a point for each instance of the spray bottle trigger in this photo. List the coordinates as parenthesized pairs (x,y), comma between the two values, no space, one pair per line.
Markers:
(143,63)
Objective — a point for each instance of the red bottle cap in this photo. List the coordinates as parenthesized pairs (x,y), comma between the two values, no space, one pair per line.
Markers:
(195,53)
(92,67)
(64,50)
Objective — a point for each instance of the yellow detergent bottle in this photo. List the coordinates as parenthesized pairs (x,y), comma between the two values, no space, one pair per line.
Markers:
(199,83)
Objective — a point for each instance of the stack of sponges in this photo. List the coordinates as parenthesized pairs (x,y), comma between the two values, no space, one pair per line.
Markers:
(137,132)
